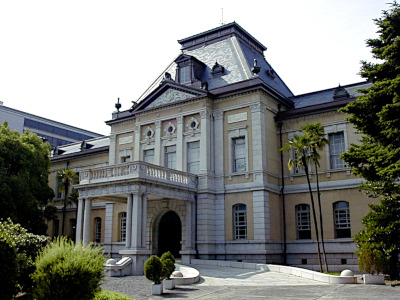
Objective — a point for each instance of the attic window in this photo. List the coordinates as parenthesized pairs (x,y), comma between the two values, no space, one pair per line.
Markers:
(184,74)
(271,73)
(340,93)
(217,70)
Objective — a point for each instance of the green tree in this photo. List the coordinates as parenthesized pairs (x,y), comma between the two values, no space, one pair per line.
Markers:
(315,131)
(301,145)
(376,115)
(24,169)
(66,177)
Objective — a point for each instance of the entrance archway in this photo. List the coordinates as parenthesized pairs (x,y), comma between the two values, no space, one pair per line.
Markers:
(170,234)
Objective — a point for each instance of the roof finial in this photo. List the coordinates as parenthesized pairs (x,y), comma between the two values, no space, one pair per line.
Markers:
(222,16)
(118,105)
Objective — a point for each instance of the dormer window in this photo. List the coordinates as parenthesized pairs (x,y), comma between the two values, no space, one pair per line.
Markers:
(189,70)
(217,70)
(340,93)
(184,74)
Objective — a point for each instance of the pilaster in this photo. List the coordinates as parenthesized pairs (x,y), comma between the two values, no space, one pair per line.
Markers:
(261,218)
(136,152)
(179,143)
(157,144)
(79,221)
(108,223)
(111,153)
(258,140)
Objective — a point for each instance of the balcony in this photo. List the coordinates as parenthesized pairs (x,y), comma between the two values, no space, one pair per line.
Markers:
(138,171)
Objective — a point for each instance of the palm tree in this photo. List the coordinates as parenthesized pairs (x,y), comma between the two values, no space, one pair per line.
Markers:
(65,178)
(301,145)
(318,142)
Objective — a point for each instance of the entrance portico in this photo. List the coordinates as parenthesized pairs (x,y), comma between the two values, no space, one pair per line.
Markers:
(135,184)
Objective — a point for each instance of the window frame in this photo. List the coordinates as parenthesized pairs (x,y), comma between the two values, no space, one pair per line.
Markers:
(335,162)
(301,226)
(234,133)
(97,229)
(122,226)
(342,220)
(237,213)
(146,156)
(168,155)
(188,155)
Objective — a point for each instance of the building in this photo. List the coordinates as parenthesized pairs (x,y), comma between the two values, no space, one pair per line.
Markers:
(194,165)
(55,133)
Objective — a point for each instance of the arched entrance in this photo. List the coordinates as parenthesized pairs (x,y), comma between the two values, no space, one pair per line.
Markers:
(170,234)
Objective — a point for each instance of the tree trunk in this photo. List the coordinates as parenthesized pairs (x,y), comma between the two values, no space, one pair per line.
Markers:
(320,221)
(314,215)
(66,184)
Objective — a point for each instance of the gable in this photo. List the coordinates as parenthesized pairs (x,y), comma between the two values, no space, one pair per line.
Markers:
(170,96)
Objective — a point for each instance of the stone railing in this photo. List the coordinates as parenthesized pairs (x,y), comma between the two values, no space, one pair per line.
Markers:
(138,171)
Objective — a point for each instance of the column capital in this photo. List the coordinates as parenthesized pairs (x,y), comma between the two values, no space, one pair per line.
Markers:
(218,114)
(205,114)
(179,119)
(257,107)
(158,124)
(137,128)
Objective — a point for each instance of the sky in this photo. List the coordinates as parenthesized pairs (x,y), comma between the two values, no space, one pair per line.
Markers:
(69,61)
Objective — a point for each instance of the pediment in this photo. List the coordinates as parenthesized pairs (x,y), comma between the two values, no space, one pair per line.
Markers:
(169,92)
(170,96)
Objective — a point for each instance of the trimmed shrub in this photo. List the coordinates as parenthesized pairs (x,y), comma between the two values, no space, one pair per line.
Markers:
(68,271)
(8,271)
(109,295)
(168,267)
(168,255)
(153,269)
(27,246)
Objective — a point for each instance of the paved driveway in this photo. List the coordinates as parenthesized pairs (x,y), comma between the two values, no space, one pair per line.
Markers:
(231,283)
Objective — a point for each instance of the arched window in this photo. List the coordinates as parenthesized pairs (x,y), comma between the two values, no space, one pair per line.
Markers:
(97,230)
(303,221)
(122,227)
(240,221)
(341,214)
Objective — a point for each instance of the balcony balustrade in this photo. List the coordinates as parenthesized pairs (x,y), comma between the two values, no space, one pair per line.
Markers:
(137,171)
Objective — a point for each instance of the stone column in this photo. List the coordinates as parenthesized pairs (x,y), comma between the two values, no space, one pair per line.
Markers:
(112,149)
(219,148)
(136,153)
(128,221)
(144,220)
(157,144)
(258,140)
(136,221)
(79,220)
(87,222)
(179,143)
(188,253)
(261,218)
(205,141)
(108,223)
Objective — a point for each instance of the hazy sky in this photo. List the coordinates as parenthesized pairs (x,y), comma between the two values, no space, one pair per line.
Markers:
(70,60)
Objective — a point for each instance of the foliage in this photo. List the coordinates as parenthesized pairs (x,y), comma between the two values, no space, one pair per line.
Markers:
(168,262)
(168,255)
(26,246)
(66,177)
(68,271)
(8,271)
(376,115)
(378,243)
(302,145)
(110,295)
(24,169)
(153,269)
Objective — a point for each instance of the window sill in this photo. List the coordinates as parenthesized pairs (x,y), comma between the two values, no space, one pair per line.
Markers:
(245,173)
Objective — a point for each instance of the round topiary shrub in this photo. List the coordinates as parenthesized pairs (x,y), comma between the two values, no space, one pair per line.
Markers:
(153,269)
(8,271)
(168,255)
(68,271)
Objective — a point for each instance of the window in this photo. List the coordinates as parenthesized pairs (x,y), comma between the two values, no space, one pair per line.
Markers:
(97,230)
(239,154)
(149,156)
(341,212)
(239,221)
(58,193)
(336,147)
(72,223)
(303,221)
(56,226)
(193,157)
(170,157)
(122,227)
(125,159)
(184,74)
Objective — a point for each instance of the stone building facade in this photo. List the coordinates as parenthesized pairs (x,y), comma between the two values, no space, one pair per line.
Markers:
(194,165)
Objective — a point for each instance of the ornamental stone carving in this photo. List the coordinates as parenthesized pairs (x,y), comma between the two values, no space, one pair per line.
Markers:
(170,96)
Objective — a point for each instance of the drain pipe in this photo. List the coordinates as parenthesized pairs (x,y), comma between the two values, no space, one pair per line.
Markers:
(282,194)
(195,227)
